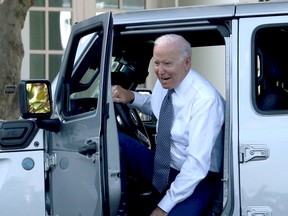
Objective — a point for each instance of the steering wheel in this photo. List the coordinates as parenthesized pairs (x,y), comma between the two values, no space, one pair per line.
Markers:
(128,121)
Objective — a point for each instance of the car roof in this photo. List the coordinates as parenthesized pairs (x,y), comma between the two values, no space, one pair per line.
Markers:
(201,12)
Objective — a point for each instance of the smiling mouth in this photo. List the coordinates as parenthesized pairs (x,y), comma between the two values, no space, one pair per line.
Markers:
(165,79)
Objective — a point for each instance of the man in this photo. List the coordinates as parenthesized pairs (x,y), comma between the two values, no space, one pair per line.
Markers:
(196,147)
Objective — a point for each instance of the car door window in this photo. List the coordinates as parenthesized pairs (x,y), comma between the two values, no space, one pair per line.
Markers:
(271,77)
(82,88)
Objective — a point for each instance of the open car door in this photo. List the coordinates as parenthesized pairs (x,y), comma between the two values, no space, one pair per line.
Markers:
(86,175)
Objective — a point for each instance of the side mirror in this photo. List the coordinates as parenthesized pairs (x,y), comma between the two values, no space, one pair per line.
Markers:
(35,99)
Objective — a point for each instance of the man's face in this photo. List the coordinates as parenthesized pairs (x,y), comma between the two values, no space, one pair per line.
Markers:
(169,67)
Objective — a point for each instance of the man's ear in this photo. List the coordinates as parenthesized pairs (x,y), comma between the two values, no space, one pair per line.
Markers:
(187,63)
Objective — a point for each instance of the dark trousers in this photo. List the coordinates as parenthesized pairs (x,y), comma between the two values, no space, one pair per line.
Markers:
(137,161)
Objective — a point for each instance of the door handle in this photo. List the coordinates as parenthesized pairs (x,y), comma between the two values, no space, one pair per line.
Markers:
(90,148)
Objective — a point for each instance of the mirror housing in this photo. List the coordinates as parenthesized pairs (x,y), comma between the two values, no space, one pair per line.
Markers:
(35,99)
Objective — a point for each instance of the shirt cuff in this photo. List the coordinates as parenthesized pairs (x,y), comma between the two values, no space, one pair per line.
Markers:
(166,204)
(137,99)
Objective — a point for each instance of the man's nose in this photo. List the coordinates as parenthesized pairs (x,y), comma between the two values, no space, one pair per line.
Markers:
(161,69)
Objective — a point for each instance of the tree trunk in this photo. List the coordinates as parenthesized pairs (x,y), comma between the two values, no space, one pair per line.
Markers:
(12,17)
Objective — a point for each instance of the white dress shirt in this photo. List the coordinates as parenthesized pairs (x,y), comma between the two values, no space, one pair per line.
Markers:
(197,144)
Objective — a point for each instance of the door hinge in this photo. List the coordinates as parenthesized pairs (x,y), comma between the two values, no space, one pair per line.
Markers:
(50,161)
(256,211)
(253,152)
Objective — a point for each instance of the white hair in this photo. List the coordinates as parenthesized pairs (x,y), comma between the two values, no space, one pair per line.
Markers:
(184,45)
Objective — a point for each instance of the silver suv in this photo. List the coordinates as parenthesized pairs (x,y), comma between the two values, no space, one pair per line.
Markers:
(62,157)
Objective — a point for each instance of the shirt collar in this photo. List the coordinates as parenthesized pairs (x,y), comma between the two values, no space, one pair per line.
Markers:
(185,84)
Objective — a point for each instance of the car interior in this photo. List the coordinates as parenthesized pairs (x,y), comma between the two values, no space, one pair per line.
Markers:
(130,63)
